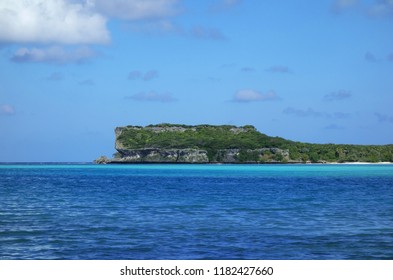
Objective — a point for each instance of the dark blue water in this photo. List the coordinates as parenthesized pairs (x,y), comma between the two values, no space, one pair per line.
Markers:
(196,212)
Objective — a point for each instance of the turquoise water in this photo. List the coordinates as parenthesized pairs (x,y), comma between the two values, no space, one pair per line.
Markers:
(196,211)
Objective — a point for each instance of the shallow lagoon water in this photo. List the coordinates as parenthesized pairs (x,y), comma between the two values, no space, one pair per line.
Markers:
(196,211)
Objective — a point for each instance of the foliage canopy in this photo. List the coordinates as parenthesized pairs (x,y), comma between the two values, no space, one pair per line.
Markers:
(246,138)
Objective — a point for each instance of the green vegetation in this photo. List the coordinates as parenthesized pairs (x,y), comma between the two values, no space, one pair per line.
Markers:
(247,140)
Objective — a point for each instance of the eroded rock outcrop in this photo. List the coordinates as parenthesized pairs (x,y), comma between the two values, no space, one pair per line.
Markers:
(190,144)
(155,155)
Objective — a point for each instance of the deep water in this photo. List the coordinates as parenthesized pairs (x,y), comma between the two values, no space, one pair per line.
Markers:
(196,211)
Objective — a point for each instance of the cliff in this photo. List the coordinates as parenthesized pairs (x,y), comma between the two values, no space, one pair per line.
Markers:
(172,143)
(167,143)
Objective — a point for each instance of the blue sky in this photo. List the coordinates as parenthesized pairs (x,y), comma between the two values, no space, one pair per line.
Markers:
(73,70)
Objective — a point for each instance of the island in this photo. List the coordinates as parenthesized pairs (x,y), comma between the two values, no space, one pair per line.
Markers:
(178,143)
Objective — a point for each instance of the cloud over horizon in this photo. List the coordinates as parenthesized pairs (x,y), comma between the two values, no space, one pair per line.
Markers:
(152,96)
(54,54)
(147,76)
(334,127)
(310,112)
(279,69)
(250,95)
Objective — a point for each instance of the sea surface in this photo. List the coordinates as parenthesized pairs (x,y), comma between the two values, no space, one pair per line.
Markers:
(196,211)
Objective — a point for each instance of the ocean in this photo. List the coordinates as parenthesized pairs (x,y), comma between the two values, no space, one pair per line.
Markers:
(148,211)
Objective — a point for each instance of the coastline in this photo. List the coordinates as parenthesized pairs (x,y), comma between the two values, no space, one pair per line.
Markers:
(360,163)
(196,163)
(119,162)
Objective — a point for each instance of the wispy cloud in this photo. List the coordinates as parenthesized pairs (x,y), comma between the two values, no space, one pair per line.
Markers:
(213,79)
(223,5)
(205,33)
(338,95)
(152,96)
(147,76)
(250,95)
(383,118)
(340,115)
(279,69)
(309,112)
(334,127)
(87,82)
(55,77)
(165,27)
(339,6)
(370,57)
(58,55)
(248,69)
(6,110)
(380,8)
(138,9)
(372,9)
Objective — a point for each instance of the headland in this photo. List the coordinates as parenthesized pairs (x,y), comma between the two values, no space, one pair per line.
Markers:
(178,143)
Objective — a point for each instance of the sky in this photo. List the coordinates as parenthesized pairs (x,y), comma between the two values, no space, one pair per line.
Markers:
(73,70)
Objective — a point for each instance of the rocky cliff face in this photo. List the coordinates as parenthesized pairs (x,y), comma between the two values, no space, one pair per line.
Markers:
(136,144)
(177,143)
(154,155)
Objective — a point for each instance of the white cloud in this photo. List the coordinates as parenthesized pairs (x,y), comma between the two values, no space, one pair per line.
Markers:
(54,54)
(7,109)
(137,9)
(51,21)
(250,95)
